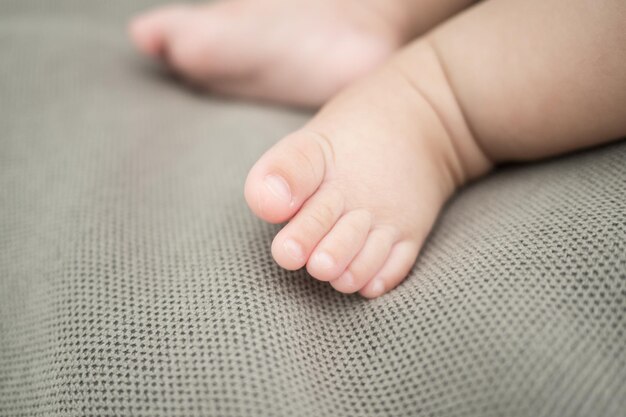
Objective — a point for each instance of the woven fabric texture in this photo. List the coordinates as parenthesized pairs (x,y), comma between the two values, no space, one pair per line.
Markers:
(135,282)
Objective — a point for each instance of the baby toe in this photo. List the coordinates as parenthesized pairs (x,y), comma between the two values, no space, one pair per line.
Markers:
(285,177)
(396,268)
(333,254)
(149,31)
(294,244)
(369,260)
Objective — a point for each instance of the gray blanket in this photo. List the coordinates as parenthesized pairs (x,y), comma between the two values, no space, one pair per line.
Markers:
(135,282)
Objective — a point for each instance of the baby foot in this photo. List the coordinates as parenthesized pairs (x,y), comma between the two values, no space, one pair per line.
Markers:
(361,185)
(295,52)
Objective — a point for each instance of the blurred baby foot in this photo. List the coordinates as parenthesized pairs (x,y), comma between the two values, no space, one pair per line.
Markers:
(293,52)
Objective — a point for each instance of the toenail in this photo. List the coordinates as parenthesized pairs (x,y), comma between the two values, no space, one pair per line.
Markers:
(377,287)
(278,186)
(294,249)
(324,260)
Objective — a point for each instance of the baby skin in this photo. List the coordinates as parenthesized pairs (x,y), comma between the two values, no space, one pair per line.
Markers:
(298,52)
(361,185)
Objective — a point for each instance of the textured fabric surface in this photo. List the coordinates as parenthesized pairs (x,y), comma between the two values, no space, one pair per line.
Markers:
(134,281)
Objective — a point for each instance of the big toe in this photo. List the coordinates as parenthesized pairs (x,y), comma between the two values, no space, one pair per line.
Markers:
(148,31)
(287,175)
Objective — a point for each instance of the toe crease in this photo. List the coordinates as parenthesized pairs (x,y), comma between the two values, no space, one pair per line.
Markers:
(326,147)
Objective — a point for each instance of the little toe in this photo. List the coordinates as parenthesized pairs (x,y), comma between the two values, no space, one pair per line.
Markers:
(368,261)
(333,254)
(396,268)
(294,244)
(286,176)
